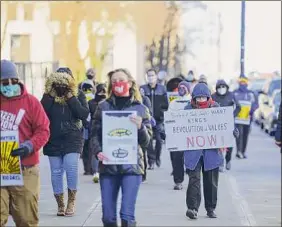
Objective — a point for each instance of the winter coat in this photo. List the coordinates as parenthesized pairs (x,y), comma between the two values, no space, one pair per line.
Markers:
(227,99)
(278,129)
(66,116)
(33,127)
(244,94)
(158,98)
(144,136)
(212,157)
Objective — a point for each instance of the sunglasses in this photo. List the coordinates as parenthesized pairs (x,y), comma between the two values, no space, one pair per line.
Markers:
(7,82)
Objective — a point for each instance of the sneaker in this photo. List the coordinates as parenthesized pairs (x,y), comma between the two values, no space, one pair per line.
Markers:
(228,165)
(144,178)
(239,155)
(245,156)
(221,169)
(96,178)
(151,167)
(211,214)
(158,163)
(178,186)
(192,214)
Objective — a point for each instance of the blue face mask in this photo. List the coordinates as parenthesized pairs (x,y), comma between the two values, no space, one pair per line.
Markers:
(243,87)
(10,90)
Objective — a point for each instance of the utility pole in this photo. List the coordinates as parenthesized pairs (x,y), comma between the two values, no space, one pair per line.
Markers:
(219,24)
(242,57)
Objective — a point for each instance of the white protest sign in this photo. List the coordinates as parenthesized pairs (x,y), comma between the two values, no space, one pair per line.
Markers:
(11,172)
(120,142)
(199,129)
(172,96)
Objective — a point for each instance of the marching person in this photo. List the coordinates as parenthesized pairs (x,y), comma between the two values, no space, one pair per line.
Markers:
(22,201)
(244,95)
(93,104)
(225,98)
(124,95)
(207,161)
(177,158)
(91,77)
(158,97)
(278,129)
(66,108)
(190,78)
(89,92)
(162,77)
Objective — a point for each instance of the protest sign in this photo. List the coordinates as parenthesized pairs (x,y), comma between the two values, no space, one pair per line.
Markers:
(244,115)
(11,173)
(120,142)
(172,96)
(199,129)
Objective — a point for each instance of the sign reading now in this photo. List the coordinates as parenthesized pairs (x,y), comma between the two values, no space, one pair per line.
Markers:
(197,129)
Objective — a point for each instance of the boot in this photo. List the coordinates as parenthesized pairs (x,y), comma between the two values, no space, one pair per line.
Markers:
(110,224)
(71,202)
(61,204)
(125,223)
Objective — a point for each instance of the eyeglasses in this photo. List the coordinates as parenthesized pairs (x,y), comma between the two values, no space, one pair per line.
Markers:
(7,82)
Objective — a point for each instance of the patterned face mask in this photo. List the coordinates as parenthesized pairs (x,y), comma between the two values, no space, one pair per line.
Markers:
(10,90)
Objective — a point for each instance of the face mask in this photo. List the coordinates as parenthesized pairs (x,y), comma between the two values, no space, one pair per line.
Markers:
(243,86)
(61,90)
(90,77)
(190,77)
(11,90)
(152,79)
(120,88)
(202,102)
(182,91)
(222,90)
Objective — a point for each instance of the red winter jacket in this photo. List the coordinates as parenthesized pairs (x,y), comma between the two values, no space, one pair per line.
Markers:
(34,125)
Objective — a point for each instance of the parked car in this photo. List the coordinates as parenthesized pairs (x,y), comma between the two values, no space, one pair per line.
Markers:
(269,113)
(269,87)
(256,86)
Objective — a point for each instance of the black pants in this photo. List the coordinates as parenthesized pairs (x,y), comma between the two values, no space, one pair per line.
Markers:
(145,163)
(87,158)
(177,161)
(210,181)
(154,152)
(228,154)
(242,140)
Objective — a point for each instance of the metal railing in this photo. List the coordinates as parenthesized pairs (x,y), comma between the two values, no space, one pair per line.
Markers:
(33,75)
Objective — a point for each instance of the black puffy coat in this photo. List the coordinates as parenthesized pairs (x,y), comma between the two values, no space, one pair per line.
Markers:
(144,136)
(66,116)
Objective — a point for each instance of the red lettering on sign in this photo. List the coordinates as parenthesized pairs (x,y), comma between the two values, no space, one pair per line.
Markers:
(190,141)
(212,140)
(198,139)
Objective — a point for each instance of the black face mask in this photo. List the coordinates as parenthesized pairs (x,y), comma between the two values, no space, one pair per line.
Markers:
(90,77)
(99,98)
(61,90)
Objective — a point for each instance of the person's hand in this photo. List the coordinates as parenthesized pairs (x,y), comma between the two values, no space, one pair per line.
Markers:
(21,152)
(136,120)
(69,95)
(278,143)
(102,157)
(223,149)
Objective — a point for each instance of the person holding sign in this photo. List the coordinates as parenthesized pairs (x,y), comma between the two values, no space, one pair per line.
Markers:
(248,104)
(176,157)
(26,126)
(124,97)
(226,98)
(207,161)
(66,107)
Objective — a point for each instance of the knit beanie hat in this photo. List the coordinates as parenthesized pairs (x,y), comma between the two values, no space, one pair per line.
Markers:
(186,84)
(8,70)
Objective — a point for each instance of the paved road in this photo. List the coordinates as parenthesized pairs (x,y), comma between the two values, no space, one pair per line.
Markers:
(249,194)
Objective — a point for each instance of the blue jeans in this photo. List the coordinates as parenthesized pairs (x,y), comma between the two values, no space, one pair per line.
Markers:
(60,164)
(110,185)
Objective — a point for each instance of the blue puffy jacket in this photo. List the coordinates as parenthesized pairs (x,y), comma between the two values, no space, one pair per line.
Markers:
(212,157)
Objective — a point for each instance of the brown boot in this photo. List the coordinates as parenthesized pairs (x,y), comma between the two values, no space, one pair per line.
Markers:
(61,204)
(71,202)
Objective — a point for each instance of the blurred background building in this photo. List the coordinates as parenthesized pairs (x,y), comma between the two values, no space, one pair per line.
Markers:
(175,36)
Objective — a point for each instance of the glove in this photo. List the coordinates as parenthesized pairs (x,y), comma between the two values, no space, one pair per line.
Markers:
(61,90)
(23,151)
(236,133)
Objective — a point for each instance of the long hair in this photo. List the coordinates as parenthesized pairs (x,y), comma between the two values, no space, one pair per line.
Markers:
(134,88)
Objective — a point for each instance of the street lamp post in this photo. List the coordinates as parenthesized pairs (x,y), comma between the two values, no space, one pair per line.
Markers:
(242,57)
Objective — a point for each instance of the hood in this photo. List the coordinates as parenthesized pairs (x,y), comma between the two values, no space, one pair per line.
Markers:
(201,90)
(87,81)
(173,83)
(60,78)
(221,82)
(23,94)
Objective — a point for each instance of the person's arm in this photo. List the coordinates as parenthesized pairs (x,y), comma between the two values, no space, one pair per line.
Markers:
(278,129)
(145,132)
(237,107)
(147,103)
(96,131)
(40,125)
(79,106)
(47,102)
